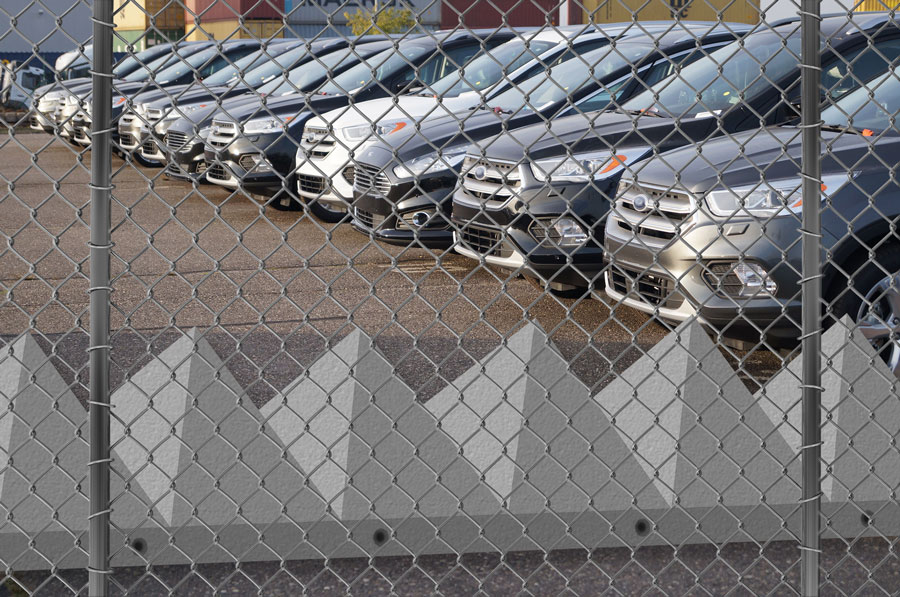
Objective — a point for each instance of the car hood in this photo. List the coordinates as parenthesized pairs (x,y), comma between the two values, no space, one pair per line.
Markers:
(771,154)
(506,137)
(409,108)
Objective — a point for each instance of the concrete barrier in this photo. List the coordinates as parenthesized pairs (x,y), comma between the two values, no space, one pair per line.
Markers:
(515,454)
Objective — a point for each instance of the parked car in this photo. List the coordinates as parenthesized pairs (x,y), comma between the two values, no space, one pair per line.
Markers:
(549,226)
(329,140)
(254,148)
(153,108)
(403,184)
(171,79)
(49,96)
(722,243)
(184,139)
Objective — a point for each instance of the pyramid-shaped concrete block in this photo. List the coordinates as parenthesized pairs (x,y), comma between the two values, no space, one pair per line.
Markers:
(695,428)
(530,428)
(194,445)
(860,416)
(341,425)
(43,457)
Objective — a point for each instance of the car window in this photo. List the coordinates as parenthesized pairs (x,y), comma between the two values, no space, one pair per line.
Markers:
(841,74)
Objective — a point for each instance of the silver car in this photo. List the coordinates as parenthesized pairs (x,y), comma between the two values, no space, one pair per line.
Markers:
(721,242)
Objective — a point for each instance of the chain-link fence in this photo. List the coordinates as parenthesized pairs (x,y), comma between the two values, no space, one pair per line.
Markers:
(455,298)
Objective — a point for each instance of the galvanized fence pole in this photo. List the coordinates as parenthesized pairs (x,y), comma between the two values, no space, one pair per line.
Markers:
(811,295)
(100,244)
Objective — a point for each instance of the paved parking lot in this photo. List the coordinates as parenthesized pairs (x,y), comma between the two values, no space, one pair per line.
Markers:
(280,283)
(271,289)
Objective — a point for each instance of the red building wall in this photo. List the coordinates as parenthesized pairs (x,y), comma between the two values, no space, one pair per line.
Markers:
(223,10)
(479,13)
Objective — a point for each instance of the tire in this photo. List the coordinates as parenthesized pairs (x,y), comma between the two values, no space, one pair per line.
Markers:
(872,299)
(327,214)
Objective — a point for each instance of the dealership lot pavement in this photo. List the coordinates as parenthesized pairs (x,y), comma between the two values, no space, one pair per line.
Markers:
(279,283)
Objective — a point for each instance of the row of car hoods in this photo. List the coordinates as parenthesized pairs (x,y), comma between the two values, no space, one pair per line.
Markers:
(657,162)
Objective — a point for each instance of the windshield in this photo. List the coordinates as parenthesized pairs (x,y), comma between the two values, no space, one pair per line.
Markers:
(306,76)
(272,59)
(488,69)
(130,63)
(186,65)
(145,72)
(873,106)
(542,90)
(729,76)
(381,66)
(264,68)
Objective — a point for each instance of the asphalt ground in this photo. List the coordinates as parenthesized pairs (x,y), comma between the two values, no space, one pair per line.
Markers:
(271,290)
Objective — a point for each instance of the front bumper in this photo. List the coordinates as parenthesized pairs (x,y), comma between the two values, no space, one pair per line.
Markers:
(230,166)
(41,118)
(326,179)
(400,211)
(667,281)
(130,138)
(501,234)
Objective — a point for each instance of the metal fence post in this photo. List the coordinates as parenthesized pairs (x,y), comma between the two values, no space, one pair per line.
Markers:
(812,294)
(101,188)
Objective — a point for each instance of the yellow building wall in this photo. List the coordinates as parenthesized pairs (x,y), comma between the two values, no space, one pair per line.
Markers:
(139,15)
(616,11)
(231,29)
(867,5)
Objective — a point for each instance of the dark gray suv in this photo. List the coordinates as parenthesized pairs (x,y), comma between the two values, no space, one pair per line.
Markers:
(722,241)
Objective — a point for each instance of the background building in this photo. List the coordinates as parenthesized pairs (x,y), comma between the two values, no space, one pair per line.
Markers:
(143,23)
(310,18)
(222,19)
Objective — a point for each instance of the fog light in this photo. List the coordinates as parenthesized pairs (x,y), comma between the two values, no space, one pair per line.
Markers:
(422,219)
(255,162)
(562,232)
(744,279)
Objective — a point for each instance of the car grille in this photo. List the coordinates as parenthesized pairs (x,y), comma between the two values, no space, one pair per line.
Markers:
(367,219)
(653,288)
(483,240)
(222,133)
(127,141)
(317,142)
(149,147)
(367,178)
(489,182)
(33,122)
(314,185)
(217,172)
(175,140)
(660,213)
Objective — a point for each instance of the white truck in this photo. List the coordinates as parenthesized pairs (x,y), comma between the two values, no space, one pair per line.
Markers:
(17,84)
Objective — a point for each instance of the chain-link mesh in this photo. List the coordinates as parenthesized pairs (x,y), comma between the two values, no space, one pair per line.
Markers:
(449,298)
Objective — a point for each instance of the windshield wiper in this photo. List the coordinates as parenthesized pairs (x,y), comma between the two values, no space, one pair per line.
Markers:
(644,112)
(844,128)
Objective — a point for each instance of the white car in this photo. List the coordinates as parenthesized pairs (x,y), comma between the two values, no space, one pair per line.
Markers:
(325,156)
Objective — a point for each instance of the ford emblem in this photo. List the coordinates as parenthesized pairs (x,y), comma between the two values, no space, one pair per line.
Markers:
(640,203)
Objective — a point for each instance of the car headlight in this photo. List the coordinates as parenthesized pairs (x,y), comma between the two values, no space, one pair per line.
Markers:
(771,198)
(561,232)
(578,167)
(269,124)
(433,162)
(364,131)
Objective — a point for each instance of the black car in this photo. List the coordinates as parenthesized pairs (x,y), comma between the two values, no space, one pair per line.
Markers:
(733,260)
(255,148)
(179,72)
(404,183)
(549,225)
(184,139)
(153,107)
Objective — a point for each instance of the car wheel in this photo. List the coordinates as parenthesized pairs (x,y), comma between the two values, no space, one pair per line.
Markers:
(873,303)
(326,213)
